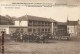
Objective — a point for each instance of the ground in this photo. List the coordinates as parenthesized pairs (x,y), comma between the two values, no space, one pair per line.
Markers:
(54,47)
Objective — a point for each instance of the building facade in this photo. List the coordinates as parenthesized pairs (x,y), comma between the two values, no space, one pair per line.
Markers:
(36,24)
(9,29)
(31,24)
(62,28)
(72,27)
(4,28)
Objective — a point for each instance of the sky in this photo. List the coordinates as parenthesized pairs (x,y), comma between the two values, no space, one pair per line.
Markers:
(58,13)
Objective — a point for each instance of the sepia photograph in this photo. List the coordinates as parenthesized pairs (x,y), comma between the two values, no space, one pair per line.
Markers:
(39,26)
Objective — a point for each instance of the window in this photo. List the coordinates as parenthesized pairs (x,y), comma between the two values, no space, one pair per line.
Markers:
(30,23)
(34,30)
(43,23)
(35,23)
(48,29)
(46,24)
(42,29)
(30,30)
(45,29)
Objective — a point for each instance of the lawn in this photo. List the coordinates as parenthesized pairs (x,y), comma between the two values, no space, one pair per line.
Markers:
(55,47)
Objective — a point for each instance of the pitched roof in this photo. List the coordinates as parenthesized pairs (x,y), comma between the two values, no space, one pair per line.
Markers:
(6,25)
(72,22)
(29,17)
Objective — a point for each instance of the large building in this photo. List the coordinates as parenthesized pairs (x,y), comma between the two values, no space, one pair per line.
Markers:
(72,27)
(11,29)
(62,28)
(31,24)
(34,24)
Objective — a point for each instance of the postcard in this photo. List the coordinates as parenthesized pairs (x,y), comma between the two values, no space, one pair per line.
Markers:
(39,26)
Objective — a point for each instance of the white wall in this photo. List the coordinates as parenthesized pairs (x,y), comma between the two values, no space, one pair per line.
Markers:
(71,29)
(52,27)
(17,23)
(24,23)
(21,23)
(7,30)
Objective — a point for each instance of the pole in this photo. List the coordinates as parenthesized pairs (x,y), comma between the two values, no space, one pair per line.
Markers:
(2,42)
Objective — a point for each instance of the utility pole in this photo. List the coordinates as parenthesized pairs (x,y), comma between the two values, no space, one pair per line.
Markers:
(2,42)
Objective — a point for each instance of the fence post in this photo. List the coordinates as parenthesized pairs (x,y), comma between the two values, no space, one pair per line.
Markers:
(2,42)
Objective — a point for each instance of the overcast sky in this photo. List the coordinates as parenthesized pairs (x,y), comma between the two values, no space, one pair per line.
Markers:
(59,13)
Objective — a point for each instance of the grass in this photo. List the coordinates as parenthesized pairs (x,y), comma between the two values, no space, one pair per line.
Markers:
(55,47)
